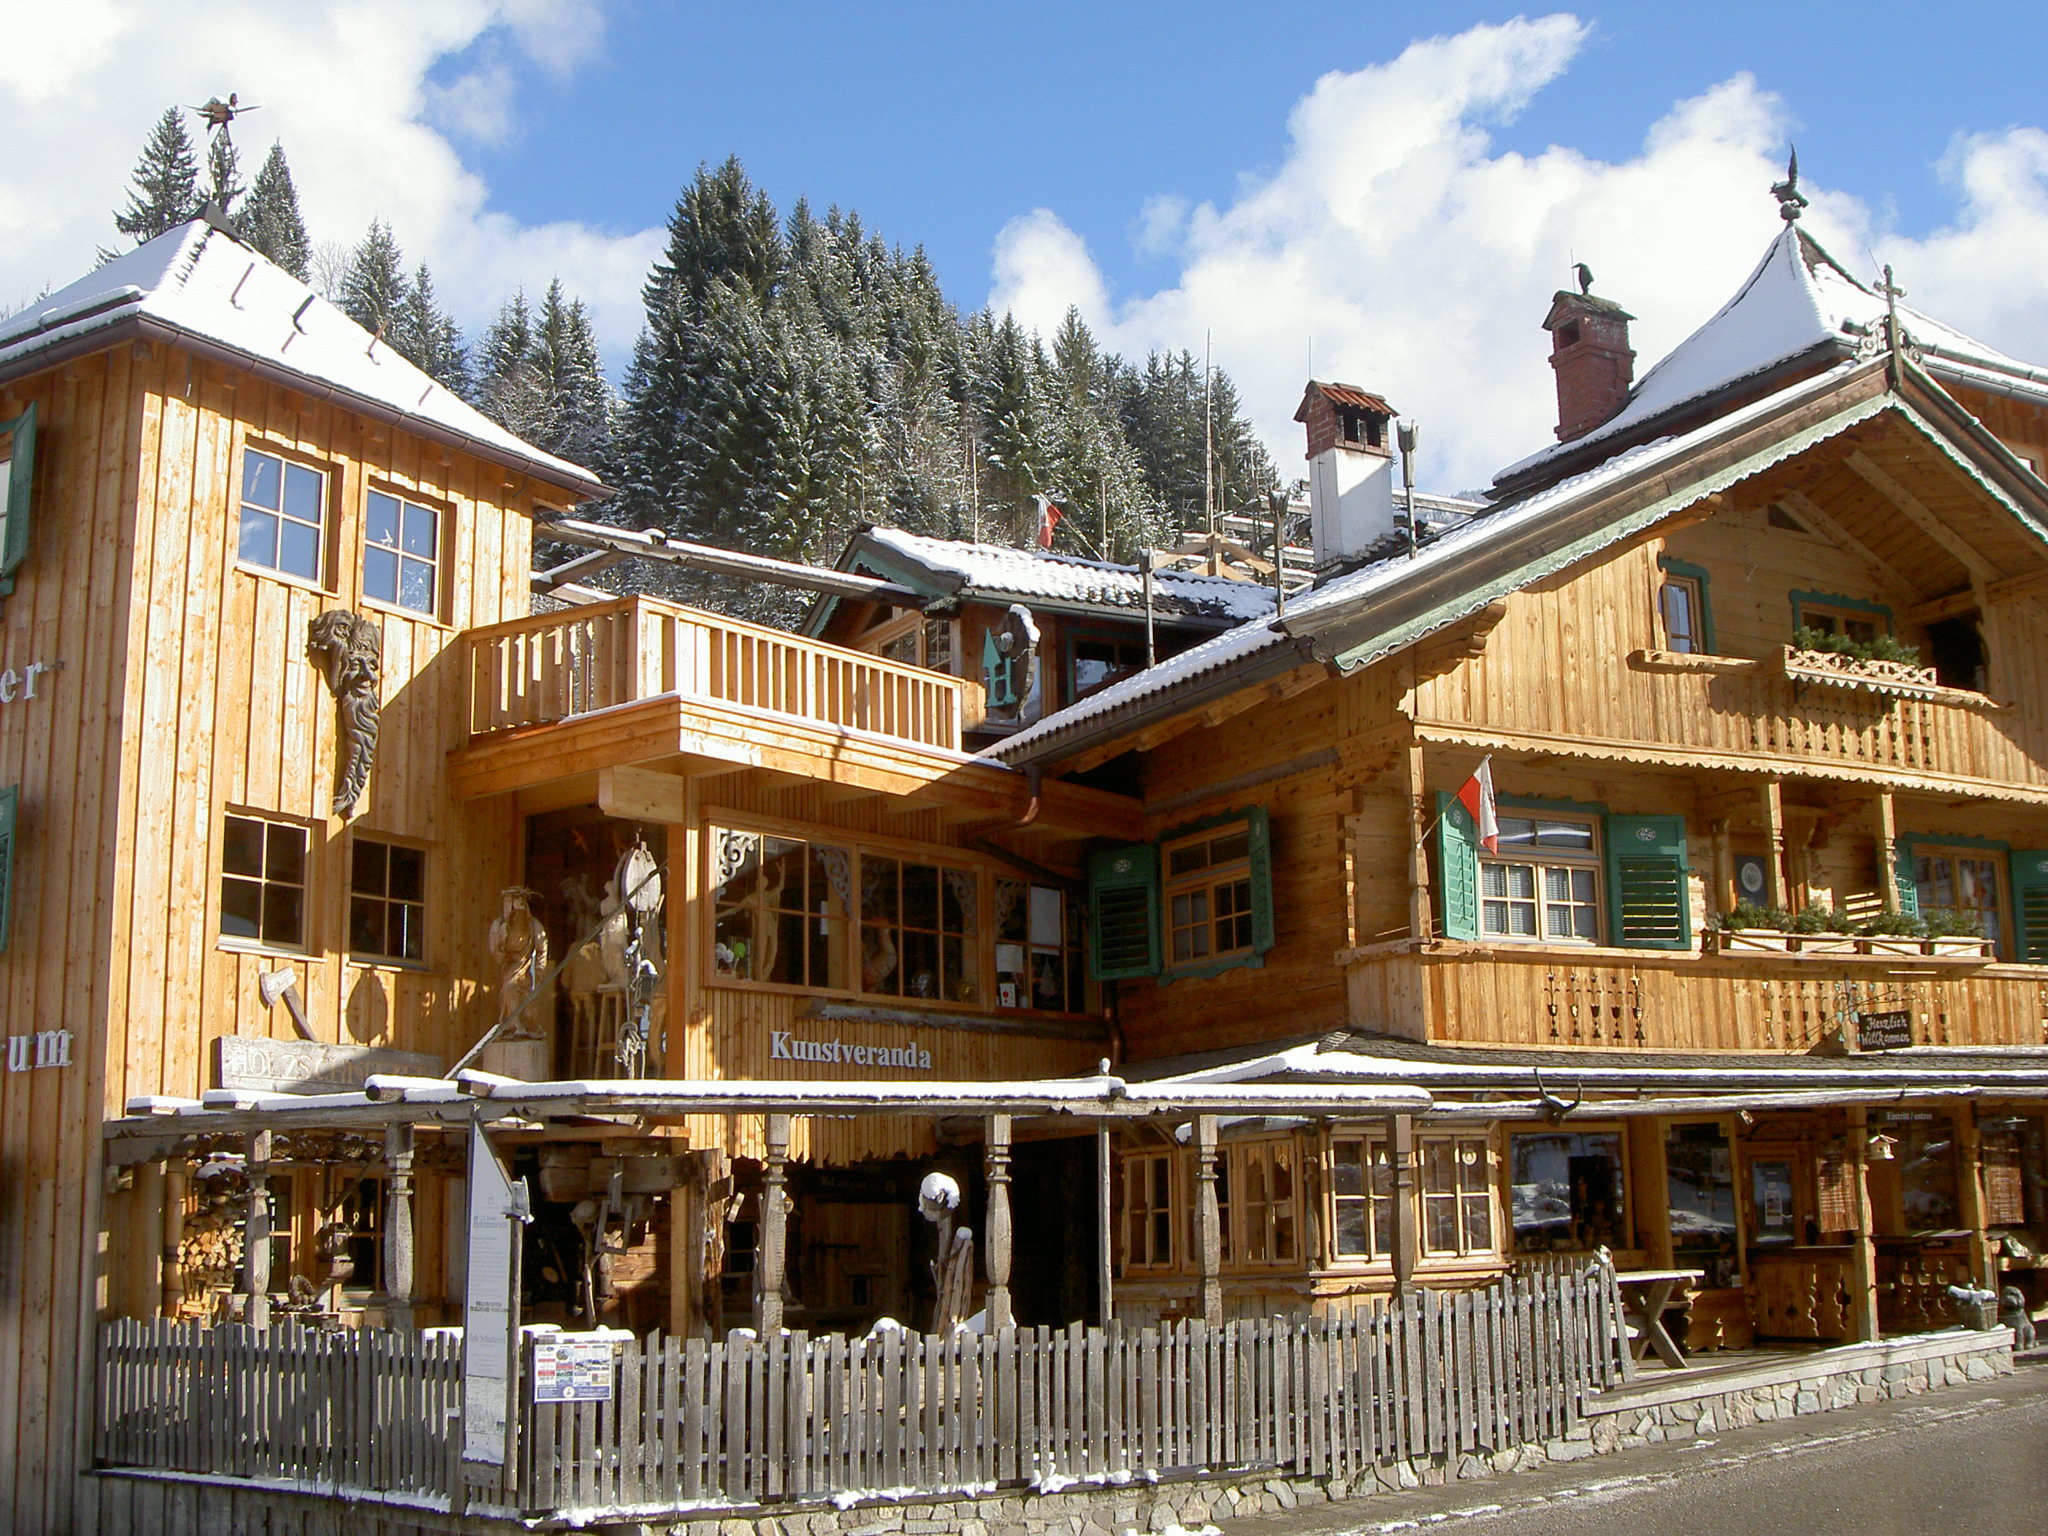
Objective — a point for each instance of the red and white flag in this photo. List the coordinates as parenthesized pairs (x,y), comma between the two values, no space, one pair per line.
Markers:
(1048,519)
(1477,797)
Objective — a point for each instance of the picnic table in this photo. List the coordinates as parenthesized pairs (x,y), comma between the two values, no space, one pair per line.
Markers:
(1645,1293)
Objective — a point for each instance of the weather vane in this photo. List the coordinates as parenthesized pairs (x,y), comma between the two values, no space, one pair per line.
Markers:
(1790,199)
(217,114)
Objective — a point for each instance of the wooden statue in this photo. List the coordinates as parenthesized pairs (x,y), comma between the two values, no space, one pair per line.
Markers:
(348,648)
(938,1201)
(520,946)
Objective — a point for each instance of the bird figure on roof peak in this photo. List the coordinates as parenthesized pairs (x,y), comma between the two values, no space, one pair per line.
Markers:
(1790,199)
(1584,274)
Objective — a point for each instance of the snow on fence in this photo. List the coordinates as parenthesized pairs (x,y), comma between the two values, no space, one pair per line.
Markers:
(358,1409)
(697,1424)
(747,1421)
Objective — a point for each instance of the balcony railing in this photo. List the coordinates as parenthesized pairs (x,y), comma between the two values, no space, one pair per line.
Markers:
(1553,995)
(555,666)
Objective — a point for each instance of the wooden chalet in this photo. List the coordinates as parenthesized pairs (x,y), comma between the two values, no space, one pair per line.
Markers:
(1746,979)
(354,914)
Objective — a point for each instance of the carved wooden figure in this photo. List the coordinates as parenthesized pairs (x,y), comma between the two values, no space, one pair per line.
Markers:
(348,648)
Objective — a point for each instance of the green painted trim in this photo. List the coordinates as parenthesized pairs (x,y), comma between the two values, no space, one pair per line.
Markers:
(1204,823)
(1941,441)
(1938,840)
(1800,600)
(1475,598)
(1255,961)
(1698,575)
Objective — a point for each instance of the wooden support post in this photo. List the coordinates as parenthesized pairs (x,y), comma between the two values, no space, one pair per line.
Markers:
(1105,1252)
(256,1231)
(141,1242)
(1774,820)
(1863,1249)
(772,1257)
(398,1251)
(1401,1154)
(685,1271)
(1888,850)
(1970,1192)
(1208,1221)
(996,1256)
(1725,894)
(1653,1178)
(1418,846)
(177,1175)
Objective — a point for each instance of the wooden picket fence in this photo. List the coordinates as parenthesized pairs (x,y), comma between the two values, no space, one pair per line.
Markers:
(747,1421)
(356,1409)
(695,1424)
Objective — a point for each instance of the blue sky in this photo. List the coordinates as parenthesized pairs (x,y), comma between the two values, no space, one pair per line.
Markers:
(942,122)
(1392,194)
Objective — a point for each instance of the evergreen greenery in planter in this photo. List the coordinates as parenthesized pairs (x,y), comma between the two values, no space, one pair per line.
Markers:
(1879,648)
(1894,925)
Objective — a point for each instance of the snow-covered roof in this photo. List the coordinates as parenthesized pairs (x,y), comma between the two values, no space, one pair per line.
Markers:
(1799,298)
(1360,589)
(201,285)
(998,571)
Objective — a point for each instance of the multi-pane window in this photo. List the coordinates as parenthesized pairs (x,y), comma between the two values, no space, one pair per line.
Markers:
(1967,884)
(402,553)
(783,911)
(1038,948)
(387,901)
(1209,895)
(283,515)
(1099,660)
(1850,624)
(1148,1211)
(799,913)
(1362,1184)
(1264,1194)
(1567,1190)
(1544,883)
(1679,600)
(1457,1200)
(263,881)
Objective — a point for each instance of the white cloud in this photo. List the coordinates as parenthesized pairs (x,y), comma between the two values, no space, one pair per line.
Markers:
(1417,259)
(349,87)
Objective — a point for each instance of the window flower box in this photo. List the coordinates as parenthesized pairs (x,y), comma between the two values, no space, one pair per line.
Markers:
(1894,679)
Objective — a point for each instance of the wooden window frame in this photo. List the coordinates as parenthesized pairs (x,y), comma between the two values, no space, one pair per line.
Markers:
(1071,947)
(1915,847)
(17,494)
(1145,1216)
(263,882)
(1074,637)
(330,487)
(1807,606)
(444,528)
(383,958)
(1624,1180)
(1693,579)
(1542,860)
(1263,1217)
(981,937)
(1206,883)
(1372,1154)
(1462,1196)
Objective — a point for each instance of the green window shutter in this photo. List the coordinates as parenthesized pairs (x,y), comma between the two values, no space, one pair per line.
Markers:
(21,476)
(1902,866)
(10,798)
(1649,906)
(1457,869)
(1260,840)
(1123,913)
(997,671)
(2029,874)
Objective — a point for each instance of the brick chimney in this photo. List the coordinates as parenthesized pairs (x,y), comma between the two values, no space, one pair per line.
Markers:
(1350,470)
(1590,352)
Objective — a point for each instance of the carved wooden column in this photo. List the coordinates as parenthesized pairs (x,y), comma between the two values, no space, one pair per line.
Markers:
(1888,852)
(1774,822)
(1969,1147)
(1105,1250)
(256,1231)
(177,1174)
(1208,1221)
(996,1152)
(1862,1250)
(771,1260)
(398,1151)
(1401,1158)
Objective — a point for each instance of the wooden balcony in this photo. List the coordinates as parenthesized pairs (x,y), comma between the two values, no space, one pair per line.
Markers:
(557,666)
(1622,999)
(1791,711)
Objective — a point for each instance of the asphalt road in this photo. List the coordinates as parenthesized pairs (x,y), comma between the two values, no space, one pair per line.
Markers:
(1968,1459)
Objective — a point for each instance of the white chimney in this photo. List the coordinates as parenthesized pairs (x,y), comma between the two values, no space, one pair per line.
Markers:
(1350,471)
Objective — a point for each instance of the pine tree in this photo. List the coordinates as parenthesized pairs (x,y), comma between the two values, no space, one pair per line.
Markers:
(373,291)
(223,175)
(509,388)
(428,337)
(166,192)
(270,219)
(576,400)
